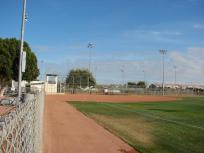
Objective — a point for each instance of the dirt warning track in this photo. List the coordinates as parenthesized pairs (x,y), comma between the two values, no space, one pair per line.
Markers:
(66,130)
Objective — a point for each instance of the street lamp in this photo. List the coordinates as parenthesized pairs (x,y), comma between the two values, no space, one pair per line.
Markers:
(163,53)
(24,18)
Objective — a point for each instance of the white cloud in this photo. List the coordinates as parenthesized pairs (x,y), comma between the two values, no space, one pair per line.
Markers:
(196,50)
(198,26)
(190,64)
(163,33)
(153,35)
(190,67)
(155,32)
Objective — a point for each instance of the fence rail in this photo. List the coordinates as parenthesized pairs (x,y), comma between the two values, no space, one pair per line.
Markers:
(21,129)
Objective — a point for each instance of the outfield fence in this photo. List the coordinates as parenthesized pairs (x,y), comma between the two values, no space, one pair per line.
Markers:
(21,129)
(137,91)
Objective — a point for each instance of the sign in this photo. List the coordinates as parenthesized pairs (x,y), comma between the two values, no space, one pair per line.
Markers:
(23,61)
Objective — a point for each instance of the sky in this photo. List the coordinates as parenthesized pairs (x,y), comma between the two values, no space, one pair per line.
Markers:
(127,36)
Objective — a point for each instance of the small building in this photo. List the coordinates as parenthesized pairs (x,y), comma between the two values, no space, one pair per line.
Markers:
(37,85)
(51,83)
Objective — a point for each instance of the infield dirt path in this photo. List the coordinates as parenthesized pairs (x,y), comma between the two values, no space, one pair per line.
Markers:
(66,130)
(114,98)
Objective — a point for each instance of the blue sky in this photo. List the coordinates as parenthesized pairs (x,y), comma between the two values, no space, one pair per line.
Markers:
(127,35)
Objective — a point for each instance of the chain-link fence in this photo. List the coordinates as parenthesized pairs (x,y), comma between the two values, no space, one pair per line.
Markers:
(21,128)
(138,91)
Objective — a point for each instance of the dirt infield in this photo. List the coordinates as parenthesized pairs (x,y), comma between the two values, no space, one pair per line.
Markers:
(114,98)
(66,130)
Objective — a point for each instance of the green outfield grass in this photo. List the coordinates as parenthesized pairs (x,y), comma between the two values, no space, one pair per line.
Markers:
(160,127)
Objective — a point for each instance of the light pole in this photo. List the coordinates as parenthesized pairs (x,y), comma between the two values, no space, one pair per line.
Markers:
(163,53)
(122,73)
(90,46)
(21,50)
(175,68)
(95,71)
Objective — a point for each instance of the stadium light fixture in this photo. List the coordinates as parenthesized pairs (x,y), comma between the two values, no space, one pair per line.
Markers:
(163,52)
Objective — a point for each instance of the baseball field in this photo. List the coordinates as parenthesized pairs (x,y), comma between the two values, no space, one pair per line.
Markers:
(152,127)
(84,123)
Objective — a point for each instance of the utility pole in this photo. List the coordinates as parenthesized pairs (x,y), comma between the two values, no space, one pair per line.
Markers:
(163,53)
(21,50)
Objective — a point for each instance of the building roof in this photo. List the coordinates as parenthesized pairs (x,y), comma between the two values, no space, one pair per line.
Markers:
(51,75)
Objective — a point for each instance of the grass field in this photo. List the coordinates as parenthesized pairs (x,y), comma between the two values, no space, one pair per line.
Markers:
(160,127)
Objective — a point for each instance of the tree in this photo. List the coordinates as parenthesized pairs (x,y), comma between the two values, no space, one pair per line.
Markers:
(9,62)
(80,78)
(141,84)
(132,85)
(152,86)
(5,72)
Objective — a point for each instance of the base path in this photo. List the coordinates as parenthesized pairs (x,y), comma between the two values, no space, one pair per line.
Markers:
(66,130)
